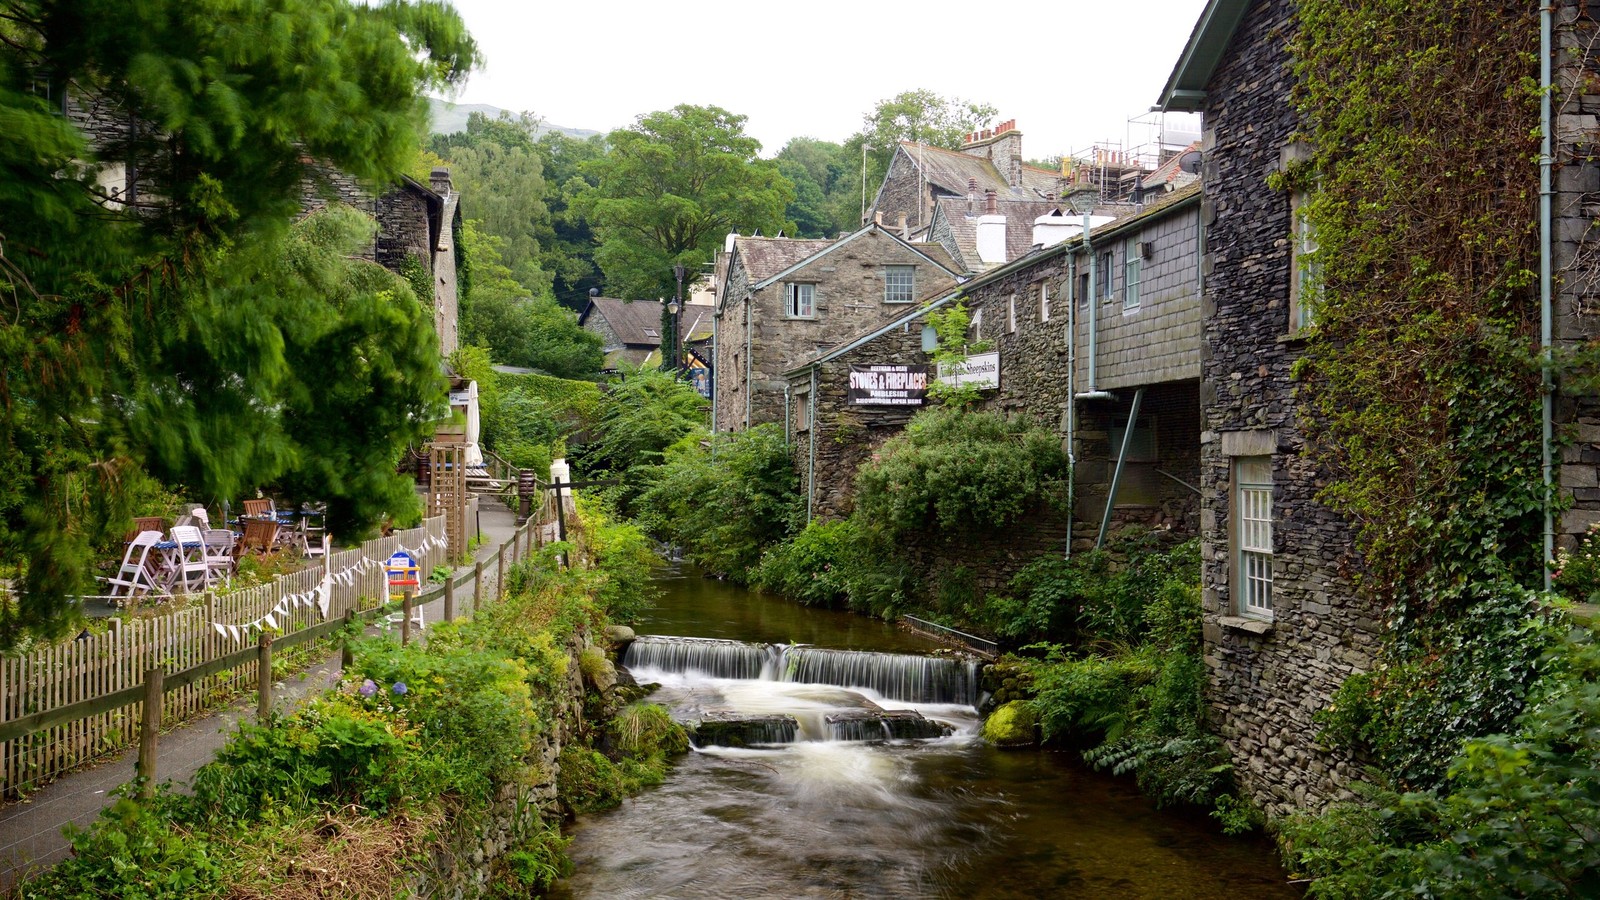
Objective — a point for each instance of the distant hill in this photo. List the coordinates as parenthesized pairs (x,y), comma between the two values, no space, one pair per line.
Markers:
(447,118)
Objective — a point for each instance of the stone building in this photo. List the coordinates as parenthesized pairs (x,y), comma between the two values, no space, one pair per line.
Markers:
(920,174)
(780,300)
(630,331)
(1283,627)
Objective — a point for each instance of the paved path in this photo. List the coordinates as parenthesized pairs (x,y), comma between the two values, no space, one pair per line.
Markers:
(31,829)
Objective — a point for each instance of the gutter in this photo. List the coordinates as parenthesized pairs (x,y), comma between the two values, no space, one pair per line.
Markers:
(1547,425)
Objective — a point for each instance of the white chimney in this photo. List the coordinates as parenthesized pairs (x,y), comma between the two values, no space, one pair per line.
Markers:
(991,232)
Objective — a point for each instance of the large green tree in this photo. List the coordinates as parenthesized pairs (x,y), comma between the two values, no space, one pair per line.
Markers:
(671,188)
(568,241)
(495,166)
(518,329)
(158,329)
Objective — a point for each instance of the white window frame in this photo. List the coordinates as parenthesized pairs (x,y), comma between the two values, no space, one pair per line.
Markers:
(1132,268)
(899,284)
(975,327)
(1305,272)
(1044,301)
(1011,314)
(800,300)
(1252,535)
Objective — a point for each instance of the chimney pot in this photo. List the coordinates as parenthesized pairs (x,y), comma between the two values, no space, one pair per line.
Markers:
(877,218)
(990,204)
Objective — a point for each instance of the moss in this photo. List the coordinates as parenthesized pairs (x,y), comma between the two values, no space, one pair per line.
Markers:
(1012,725)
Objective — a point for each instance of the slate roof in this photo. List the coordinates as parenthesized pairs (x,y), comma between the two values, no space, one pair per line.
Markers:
(765,257)
(637,323)
(949,170)
(1019,226)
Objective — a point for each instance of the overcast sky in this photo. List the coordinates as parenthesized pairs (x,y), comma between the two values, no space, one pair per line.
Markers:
(1071,73)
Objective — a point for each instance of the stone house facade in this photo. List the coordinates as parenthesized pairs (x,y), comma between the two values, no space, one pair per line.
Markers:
(1283,627)
(990,160)
(781,300)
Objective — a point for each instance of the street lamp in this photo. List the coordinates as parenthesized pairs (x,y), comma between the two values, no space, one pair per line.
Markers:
(675,309)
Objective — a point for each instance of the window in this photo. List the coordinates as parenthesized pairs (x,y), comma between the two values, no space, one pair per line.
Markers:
(1083,288)
(1011,314)
(1130,280)
(1102,276)
(1305,273)
(802,412)
(1252,480)
(899,284)
(802,301)
(1044,301)
(975,330)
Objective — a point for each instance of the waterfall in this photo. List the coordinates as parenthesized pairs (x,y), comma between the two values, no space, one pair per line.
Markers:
(904,678)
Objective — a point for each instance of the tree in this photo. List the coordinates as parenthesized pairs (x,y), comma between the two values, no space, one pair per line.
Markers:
(159,329)
(819,170)
(517,329)
(921,116)
(567,240)
(495,166)
(672,187)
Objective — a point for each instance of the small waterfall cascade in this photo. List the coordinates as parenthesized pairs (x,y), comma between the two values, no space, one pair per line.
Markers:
(901,677)
(740,694)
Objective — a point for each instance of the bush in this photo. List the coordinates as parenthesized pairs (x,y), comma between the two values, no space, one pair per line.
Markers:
(953,472)
(829,563)
(136,849)
(626,559)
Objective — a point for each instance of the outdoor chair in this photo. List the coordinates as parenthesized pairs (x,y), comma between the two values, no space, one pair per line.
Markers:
(259,509)
(220,562)
(143,524)
(311,534)
(188,558)
(262,536)
(135,576)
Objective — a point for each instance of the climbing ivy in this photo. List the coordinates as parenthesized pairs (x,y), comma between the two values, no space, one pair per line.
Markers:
(421,280)
(1421,375)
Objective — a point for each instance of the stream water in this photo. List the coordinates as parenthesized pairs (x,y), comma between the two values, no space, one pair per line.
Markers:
(859,774)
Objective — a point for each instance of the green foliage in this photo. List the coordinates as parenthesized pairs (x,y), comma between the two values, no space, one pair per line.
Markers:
(954,472)
(1466,676)
(640,417)
(625,556)
(723,498)
(519,329)
(168,334)
(951,326)
(133,851)
(495,164)
(642,730)
(1011,725)
(537,864)
(922,116)
(673,185)
(1516,818)
(835,563)
(1577,572)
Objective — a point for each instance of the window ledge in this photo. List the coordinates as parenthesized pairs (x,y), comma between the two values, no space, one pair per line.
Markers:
(1247,625)
(1295,338)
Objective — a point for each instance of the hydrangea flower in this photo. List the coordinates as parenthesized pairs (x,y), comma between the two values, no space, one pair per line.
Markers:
(368,688)
(400,688)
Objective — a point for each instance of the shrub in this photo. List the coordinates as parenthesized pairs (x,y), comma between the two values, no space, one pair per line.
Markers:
(626,559)
(843,561)
(136,849)
(953,472)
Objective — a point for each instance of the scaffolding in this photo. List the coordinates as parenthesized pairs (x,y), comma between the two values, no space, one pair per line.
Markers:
(1116,168)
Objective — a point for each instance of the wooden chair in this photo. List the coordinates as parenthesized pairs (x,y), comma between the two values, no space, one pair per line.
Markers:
(311,532)
(259,509)
(145,523)
(262,536)
(220,562)
(135,576)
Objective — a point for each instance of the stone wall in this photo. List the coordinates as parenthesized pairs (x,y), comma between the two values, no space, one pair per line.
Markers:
(731,324)
(1267,676)
(902,193)
(1576,256)
(404,230)
(446,303)
(1159,339)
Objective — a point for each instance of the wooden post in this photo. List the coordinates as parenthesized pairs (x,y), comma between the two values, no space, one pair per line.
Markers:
(405,611)
(264,678)
(500,573)
(450,598)
(477,586)
(149,728)
(561,514)
(347,656)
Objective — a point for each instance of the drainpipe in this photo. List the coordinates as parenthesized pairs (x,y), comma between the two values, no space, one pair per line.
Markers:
(1545,162)
(788,422)
(715,364)
(1072,403)
(811,466)
(1094,392)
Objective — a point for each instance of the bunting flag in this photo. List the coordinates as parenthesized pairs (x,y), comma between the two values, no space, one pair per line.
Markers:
(270,620)
(234,631)
(222,630)
(322,601)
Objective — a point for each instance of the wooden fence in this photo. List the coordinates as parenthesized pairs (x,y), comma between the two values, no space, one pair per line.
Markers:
(58,703)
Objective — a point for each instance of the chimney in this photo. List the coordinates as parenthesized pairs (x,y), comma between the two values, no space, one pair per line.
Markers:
(877,218)
(991,232)
(1054,227)
(905,233)
(439,180)
(972,196)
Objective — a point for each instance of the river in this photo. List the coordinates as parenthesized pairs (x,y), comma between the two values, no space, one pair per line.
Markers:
(817,817)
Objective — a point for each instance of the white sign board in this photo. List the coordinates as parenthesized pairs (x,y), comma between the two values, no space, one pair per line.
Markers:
(982,371)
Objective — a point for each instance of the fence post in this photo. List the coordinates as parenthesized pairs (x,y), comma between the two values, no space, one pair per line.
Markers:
(149,727)
(264,678)
(500,573)
(346,655)
(450,598)
(477,586)
(405,612)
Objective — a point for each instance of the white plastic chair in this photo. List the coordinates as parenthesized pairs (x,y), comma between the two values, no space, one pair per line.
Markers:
(220,561)
(395,618)
(189,567)
(134,576)
(311,532)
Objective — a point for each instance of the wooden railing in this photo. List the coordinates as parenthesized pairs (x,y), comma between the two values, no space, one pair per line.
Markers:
(64,704)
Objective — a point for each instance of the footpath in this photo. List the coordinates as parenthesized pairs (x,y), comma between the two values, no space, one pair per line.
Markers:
(31,836)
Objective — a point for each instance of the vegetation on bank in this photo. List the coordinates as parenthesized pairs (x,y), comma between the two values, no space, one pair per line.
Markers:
(352,794)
